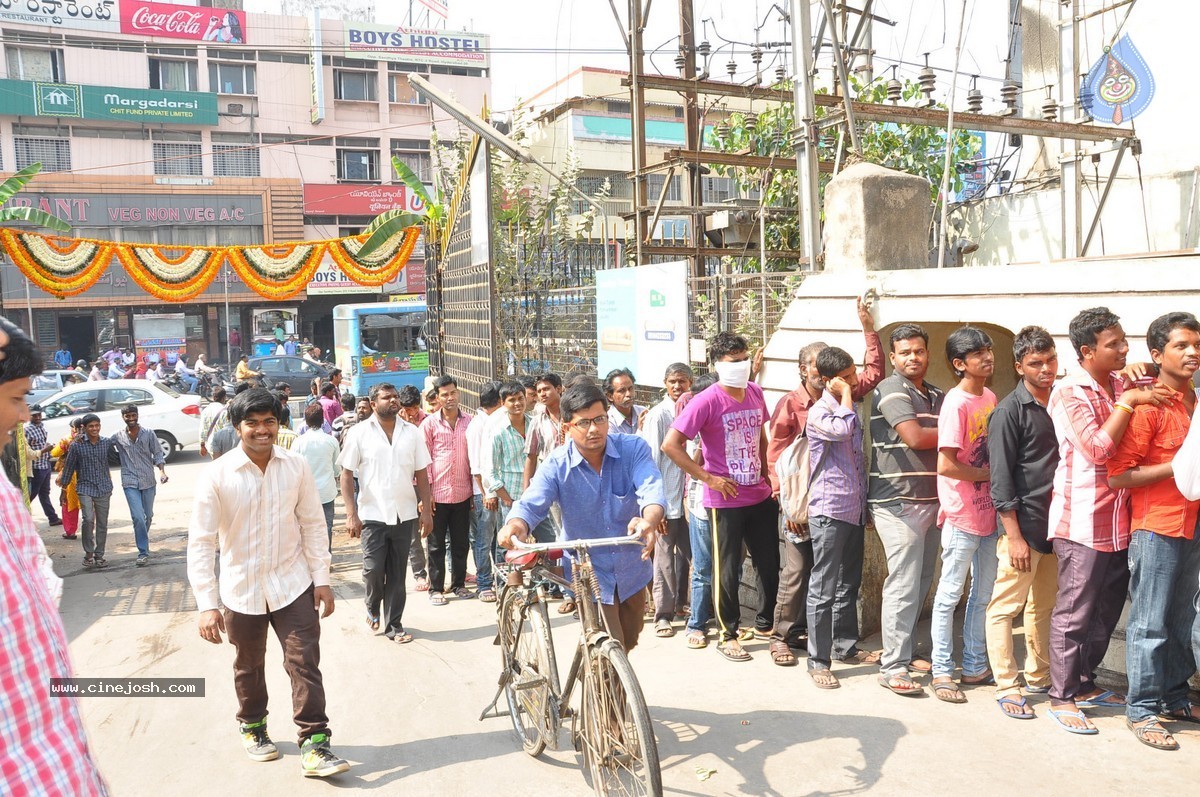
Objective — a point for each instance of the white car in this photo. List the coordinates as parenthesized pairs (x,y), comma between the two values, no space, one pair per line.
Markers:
(174,418)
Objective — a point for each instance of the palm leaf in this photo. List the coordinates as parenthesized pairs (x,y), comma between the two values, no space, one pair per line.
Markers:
(386,225)
(410,179)
(39,217)
(15,183)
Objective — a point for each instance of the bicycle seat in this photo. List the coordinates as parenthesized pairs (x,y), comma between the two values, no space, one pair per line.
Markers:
(527,559)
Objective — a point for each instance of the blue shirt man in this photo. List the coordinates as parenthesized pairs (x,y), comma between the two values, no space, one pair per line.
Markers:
(62,358)
(607,486)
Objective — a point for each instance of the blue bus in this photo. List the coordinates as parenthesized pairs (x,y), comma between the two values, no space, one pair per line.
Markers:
(381,342)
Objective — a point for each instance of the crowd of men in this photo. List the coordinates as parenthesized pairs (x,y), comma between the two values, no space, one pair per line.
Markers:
(1059,502)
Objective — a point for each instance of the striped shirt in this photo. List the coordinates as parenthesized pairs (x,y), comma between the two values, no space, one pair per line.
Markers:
(900,473)
(658,422)
(90,461)
(36,439)
(450,462)
(835,447)
(214,418)
(45,749)
(617,424)
(506,467)
(269,528)
(547,434)
(1084,509)
(138,458)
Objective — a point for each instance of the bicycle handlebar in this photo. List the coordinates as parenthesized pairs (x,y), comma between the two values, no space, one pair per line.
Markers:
(574,545)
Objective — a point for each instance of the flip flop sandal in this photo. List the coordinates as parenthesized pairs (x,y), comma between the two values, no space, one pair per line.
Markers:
(1037,690)
(697,640)
(988,679)
(1143,729)
(403,638)
(373,621)
(487,596)
(437,599)
(824,678)
(1102,701)
(1015,701)
(862,657)
(463,593)
(1057,714)
(781,654)
(733,654)
(422,585)
(901,685)
(920,665)
(948,692)
(1180,715)
(663,629)
(745,635)
(566,607)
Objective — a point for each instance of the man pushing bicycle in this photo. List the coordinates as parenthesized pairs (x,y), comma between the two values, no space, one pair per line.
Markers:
(607,486)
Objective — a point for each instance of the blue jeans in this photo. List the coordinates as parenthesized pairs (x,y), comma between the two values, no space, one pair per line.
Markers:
(141,512)
(1162,588)
(963,552)
(486,523)
(189,381)
(328,510)
(700,534)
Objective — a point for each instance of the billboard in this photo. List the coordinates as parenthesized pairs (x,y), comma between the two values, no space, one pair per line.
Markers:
(110,103)
(340,199)
(641,319)
(110,210)
(390,43)
(194,23)
(98,15)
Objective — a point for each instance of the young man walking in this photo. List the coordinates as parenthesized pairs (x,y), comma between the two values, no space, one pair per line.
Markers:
(902,498)
(39,445)
(390,460)
(88,459)
(672,550)
(1164,557)
(967,514)
(623,415)
(410,411)
(1023,455)
(787,423)
(140,454)
(486,506)
(445,437)
(730,419)
(1089,520)
(320,450)
(836,506)
(257,506)
(608,486)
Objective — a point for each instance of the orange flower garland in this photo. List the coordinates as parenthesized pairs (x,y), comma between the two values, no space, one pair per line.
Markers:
(68,266)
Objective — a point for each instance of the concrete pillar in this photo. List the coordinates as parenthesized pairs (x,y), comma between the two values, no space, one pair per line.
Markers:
(876,219)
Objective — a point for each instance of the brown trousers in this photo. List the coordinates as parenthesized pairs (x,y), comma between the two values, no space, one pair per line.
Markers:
(299,632)
(626,618)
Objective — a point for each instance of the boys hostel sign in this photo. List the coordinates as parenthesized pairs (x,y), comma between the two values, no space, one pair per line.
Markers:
(408,45)
(110,103)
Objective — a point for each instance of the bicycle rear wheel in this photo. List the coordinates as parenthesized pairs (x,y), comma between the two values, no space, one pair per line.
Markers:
(617,738)
(532,670)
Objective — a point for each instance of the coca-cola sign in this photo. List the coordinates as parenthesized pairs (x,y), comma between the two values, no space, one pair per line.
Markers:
(216,25)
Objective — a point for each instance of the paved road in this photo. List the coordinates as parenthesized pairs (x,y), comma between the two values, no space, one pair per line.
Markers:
(406,716)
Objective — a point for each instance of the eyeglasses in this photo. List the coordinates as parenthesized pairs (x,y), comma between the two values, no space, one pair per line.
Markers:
(583,424)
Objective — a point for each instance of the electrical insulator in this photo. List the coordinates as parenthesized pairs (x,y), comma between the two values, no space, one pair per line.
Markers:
(680,61)
(1049,107)
(756,55)
(780,73)
(1008,95)
(927,79)
(731,68)
(723,130)
(895,89)
(751,122)
(704,49)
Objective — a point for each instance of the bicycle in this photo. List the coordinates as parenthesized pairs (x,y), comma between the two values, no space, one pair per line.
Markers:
(612,728)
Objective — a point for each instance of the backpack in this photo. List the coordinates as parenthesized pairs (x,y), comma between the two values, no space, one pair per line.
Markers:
(794,469)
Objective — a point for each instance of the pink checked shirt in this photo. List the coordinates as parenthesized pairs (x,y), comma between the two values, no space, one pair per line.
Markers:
(44,749)
(1084,509)
(450,471)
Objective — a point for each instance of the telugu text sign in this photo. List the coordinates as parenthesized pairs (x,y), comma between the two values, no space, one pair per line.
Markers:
(195,23)
(389,43)
(340,199)
(98,15)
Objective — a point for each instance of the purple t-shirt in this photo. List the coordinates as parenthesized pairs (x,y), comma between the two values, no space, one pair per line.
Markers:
(730,437)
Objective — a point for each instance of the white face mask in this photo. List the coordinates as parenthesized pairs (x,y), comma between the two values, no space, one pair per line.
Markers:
(735,375)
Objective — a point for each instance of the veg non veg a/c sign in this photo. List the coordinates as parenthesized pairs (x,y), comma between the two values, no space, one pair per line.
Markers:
(111,103)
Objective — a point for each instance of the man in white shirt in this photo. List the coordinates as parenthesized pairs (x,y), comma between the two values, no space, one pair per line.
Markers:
(186,374)
(386,456)
(486,518)
(321,451)
(258,506)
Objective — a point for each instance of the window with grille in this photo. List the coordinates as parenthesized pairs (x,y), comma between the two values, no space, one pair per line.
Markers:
(358,165)
(719,189)
(173,75)
(231,78)
(419,162)
(177,159)
(235,160)
(654,187)
(349,85)
(53,153)
(29,63)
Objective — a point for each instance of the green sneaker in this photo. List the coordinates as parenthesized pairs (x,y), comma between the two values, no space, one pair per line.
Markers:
(257,743)
(317,760)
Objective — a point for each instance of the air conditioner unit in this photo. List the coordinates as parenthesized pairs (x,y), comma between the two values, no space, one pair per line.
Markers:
(235,109)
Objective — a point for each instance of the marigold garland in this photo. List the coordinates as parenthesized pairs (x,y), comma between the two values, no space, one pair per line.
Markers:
(69,266)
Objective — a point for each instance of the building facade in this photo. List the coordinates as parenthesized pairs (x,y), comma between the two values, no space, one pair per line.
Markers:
(183,124)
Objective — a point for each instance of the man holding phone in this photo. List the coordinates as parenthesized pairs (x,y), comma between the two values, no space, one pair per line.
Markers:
(140,454)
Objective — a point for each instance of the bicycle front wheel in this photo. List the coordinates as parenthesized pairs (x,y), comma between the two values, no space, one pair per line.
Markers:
(532,670)
(617,739)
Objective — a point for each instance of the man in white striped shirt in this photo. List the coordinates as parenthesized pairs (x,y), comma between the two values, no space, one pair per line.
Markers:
(258,506)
